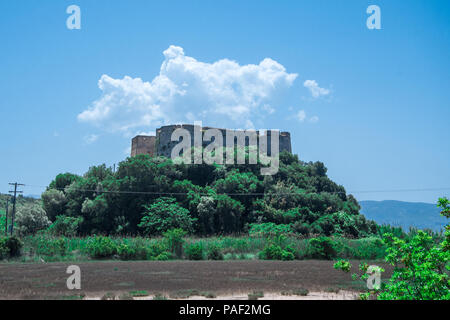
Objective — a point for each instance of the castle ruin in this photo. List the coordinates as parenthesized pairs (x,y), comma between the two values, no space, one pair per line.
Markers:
(161,144)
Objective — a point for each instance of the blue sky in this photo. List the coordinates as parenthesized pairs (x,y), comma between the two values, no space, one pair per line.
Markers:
(379,123)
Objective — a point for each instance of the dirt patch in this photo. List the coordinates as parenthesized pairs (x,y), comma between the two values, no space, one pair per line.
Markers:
(224,279)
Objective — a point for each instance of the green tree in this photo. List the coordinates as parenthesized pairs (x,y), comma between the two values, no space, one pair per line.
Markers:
(63,180)
(421,267)
(54,202)
(206,215)
(165,214)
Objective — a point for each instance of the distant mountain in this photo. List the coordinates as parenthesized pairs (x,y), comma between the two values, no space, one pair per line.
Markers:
(404,214)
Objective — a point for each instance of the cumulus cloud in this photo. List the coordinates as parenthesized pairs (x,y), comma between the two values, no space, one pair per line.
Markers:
(301,115)
(218,93)
(315,90)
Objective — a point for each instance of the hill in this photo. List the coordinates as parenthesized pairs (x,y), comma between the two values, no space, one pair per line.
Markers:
(150,195)
(404,214)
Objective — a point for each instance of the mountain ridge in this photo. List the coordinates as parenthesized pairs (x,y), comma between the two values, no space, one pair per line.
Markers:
(404,214)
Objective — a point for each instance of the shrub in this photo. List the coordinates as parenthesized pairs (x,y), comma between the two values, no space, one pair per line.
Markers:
(276,249)
(287,256)
(58,246)
(101,247)
(163,256)
(322,248)
(10,247)
(31,218)
(125,252)
(165,214)
(132,251)
(45,245)
(369,248)
(4,250)
(215,252)
(194,251)
(65,226)
(269,229)
(174,239)
(343,265)
(271,252)
(158,251)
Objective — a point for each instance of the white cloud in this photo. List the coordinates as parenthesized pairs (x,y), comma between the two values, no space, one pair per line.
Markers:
(301,115)
(91,138)
(219,93)
(315,90)
(314,119)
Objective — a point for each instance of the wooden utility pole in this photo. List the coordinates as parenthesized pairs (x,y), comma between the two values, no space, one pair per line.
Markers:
(6,216)
(15,184)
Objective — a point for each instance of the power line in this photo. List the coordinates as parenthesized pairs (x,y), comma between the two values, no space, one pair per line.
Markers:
(246,194)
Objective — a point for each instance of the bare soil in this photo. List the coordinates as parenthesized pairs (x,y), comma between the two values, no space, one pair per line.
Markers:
(222,278)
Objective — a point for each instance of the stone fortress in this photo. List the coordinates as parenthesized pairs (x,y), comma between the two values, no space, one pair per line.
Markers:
(161,144)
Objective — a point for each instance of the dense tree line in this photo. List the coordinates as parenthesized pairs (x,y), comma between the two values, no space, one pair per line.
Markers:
(152,195)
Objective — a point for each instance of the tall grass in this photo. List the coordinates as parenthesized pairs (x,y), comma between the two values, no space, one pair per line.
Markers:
(48,248)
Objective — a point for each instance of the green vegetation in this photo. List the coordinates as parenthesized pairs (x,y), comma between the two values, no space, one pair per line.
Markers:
(194,251)
(139,293)
(421,266)
(50,248)
(10,247)
(149,196)
(154,209)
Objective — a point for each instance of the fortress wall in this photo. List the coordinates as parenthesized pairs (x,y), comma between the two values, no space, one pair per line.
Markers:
(162,145)
(143,145)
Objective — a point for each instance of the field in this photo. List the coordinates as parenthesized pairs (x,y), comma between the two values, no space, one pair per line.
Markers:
(175,279)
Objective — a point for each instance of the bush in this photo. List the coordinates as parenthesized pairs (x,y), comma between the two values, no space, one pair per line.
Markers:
(287,255)
(163,256)
(276,249)
(65,226)
(10,247)
(215,252)
(135,250)
(174,239)
(269,229)
(165,214)
(194,251)
(101,247)
(158,251)
(58,246)
(125,252)
(370,249)
(322,248)
(271,252)
(31,218)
